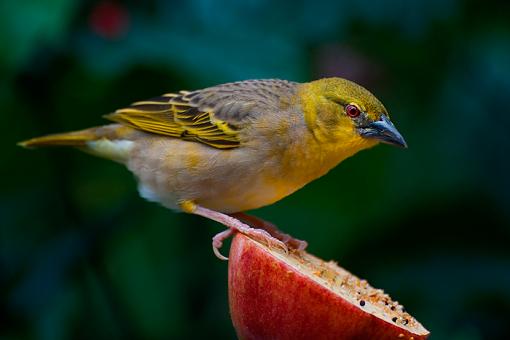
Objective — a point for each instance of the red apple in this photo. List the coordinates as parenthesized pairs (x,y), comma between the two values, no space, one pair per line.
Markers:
(274,295)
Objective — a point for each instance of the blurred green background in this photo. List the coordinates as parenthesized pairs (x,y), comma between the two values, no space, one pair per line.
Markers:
(82,256)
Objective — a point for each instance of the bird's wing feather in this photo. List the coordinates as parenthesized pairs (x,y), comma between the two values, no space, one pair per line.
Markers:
(175,115)
(213,116)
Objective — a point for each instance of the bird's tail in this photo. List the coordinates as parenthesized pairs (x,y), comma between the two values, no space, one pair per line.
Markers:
(75,138)
(109,141)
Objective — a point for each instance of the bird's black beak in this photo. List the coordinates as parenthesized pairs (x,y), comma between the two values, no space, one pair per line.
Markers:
(384,131)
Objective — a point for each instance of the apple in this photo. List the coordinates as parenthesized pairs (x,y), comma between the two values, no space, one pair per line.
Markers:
(278,295)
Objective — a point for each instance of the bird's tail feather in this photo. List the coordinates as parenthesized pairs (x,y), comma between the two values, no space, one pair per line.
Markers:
(75,138)
(109,141)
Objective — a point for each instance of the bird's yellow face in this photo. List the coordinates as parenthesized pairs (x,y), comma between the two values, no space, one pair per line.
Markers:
(341,112)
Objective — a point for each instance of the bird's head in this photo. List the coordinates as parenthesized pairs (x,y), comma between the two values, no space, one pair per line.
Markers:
(346,114)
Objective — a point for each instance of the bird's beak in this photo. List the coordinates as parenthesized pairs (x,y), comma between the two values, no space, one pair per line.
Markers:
(384,131)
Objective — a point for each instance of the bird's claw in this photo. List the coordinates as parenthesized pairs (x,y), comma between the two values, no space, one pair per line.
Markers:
(216,252)
(256,234)
(217,242)
(269,240)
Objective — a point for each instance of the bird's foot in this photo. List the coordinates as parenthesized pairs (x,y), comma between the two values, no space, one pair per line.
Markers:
(217,242)
(256,234)
(236,225)
(293,243)
(271,229)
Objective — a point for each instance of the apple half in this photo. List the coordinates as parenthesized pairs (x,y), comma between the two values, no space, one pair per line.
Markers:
(274,295)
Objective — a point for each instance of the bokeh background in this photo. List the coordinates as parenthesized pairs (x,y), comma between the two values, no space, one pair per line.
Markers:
(83,257)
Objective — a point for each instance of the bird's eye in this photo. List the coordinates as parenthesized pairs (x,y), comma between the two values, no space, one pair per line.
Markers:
(352,111)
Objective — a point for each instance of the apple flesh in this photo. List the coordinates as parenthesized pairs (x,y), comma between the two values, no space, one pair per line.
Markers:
(274,295)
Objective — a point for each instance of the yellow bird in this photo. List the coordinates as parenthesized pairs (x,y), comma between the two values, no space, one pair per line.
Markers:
(226,149)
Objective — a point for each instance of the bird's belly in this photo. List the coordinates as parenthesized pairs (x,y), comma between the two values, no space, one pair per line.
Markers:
(227,196)
(238,197)
(222,181)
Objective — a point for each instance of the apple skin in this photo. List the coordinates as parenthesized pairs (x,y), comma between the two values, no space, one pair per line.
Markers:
(269,299)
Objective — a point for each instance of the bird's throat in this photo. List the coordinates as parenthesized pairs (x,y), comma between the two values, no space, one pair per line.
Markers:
(303,164)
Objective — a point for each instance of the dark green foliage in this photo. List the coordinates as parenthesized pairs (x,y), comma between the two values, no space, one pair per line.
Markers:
(83,257)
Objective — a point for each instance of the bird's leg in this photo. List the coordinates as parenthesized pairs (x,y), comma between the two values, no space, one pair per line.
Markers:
(257,222)
(234,225)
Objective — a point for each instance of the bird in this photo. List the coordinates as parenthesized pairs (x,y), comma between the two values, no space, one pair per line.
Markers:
(223,150)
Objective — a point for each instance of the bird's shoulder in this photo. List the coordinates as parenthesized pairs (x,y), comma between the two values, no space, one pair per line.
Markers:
(214,116)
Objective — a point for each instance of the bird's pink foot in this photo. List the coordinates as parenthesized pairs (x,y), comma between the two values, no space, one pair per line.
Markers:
(235,226)
(217,242)
(256,234)
(289,241)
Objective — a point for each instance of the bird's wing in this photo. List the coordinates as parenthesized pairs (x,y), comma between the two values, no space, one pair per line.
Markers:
(213,116)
